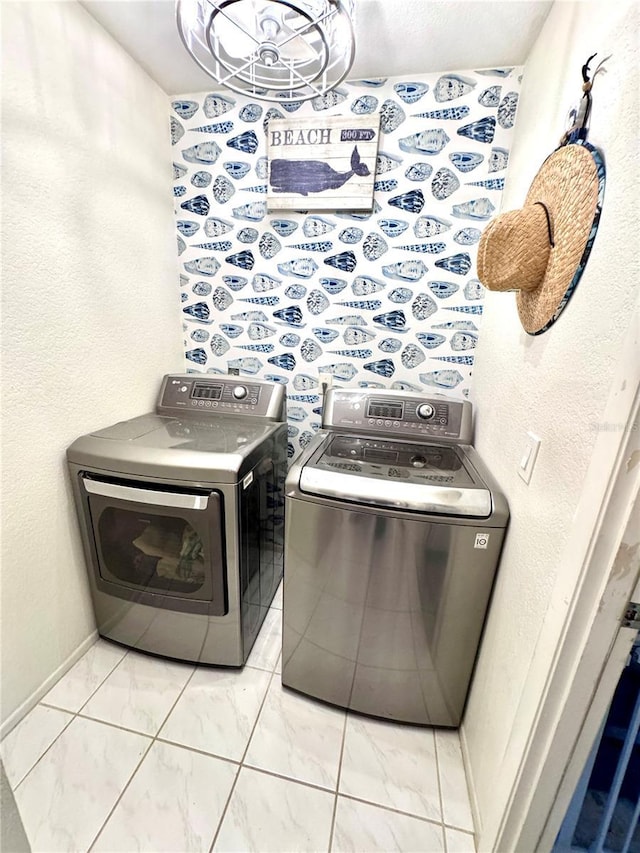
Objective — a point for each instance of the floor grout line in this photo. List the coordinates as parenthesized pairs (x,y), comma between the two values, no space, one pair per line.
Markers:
(39,759)
(289,779)
(111,671)
(144,755)
(152,738)
(224,810)
(335,802)
(241,764)
(115,725)
(459,829)
(84,716)
(94,691)
(120,795)
(385,808)
(48,705)
(195,749)
(436,755)
(178,697)
(243,760)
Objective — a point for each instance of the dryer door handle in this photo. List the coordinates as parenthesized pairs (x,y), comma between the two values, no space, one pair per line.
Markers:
(145,496)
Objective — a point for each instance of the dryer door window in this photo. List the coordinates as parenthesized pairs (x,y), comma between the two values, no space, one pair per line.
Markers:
(158,546)
(153,551)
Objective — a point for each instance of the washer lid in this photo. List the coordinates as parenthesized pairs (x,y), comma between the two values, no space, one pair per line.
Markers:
(420,477)
(211,450)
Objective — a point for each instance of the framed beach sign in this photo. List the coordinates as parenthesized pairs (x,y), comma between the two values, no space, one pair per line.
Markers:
(322,164)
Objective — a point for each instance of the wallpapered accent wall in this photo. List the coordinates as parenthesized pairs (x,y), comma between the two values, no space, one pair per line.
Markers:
(387,299)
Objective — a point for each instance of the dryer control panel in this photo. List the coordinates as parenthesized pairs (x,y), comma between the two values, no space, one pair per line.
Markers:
(202,394)
(398,413)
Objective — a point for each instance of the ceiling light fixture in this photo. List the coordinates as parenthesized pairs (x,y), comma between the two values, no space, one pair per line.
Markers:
(271,50)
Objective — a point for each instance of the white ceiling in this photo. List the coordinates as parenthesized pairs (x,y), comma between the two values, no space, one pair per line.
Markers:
(393,37)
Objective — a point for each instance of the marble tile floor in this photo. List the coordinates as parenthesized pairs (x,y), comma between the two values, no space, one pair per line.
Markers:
(133,753)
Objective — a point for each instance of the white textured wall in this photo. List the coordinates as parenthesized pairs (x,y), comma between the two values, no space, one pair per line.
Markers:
(555,385)
(90,313)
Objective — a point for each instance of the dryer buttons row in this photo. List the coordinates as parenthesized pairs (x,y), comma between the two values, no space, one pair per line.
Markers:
(208,404)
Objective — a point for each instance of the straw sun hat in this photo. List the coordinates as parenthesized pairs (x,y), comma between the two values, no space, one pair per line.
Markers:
(541,250)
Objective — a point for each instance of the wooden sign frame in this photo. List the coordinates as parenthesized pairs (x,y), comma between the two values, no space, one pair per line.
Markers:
(322,163)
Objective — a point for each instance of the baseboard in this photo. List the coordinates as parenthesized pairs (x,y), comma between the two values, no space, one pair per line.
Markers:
(12,721)
(475,810)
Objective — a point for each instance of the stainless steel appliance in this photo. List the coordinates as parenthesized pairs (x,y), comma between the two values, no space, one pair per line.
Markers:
(393,532)
(181,514)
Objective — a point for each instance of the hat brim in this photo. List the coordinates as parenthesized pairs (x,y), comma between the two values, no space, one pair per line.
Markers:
(570,183)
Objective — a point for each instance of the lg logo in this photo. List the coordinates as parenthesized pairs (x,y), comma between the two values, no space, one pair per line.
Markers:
(482,540)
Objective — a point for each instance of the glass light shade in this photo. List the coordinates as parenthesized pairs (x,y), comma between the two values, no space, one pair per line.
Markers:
(272,50)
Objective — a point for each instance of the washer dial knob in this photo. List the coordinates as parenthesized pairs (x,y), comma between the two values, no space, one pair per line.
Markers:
(239,392)
(425,411)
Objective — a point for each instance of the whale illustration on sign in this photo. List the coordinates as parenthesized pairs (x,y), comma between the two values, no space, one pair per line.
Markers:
(312,176)
(326,164)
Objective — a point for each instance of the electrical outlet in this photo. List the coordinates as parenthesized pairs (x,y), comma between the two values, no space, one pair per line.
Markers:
(529,456)
(326,381)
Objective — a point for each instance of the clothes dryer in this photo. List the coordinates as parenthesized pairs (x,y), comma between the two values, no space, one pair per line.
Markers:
(181,515)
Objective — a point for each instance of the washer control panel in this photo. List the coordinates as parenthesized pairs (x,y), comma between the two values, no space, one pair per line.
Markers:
(202,394)
(398,413)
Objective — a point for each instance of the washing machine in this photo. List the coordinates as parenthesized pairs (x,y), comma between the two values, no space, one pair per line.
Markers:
(181,517)
(393,534)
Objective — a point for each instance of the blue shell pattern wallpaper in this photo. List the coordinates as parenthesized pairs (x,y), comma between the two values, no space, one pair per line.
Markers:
(387,299)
